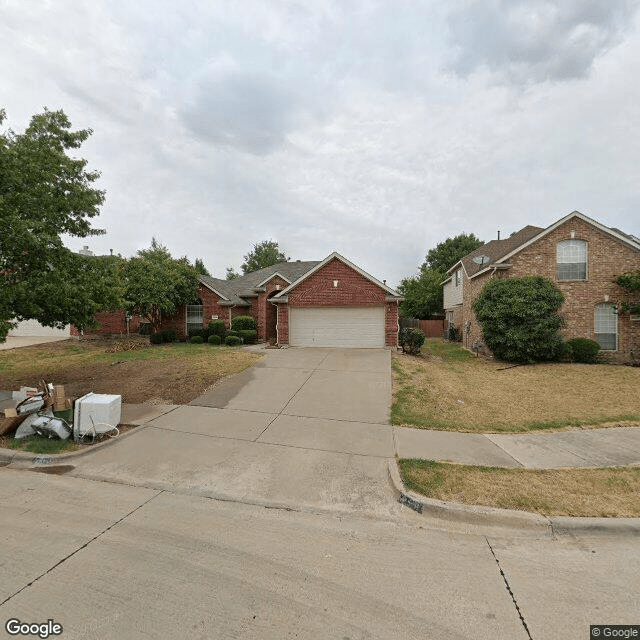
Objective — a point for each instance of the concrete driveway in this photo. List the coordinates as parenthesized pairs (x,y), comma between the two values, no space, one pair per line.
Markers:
(303,428)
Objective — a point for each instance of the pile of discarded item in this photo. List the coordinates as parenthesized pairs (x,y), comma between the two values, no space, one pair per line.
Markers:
(48,412)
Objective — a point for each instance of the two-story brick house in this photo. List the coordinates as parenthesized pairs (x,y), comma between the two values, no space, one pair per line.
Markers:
(580,256)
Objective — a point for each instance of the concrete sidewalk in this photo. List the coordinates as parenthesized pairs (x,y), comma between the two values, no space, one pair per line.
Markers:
(617,446)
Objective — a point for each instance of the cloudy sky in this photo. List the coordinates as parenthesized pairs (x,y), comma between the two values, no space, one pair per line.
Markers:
(376,128)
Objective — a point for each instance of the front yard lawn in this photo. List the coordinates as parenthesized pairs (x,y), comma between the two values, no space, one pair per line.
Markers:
(163,374)
(448,388)
(609,492)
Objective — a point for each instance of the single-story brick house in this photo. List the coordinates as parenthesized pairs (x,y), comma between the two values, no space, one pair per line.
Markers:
(328,303)
(580,256)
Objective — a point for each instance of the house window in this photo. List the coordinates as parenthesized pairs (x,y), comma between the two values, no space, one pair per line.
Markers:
(606,327)
(458,277)
(194,317)
(572,260)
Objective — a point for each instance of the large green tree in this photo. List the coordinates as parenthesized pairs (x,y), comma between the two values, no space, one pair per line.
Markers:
(45,193)
(445,254)
(422,294)
(156,284)
(519,318)
(200,268)
(263,254)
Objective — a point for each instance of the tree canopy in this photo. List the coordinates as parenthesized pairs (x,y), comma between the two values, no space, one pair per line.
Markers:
(232,274)
(422,294)
(519,318)
(200,268)
(45,193)
(630,283)
(445,254)
(263,254)
(156,284)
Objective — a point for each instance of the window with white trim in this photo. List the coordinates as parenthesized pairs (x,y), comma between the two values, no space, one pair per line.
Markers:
(194,317)
(458,277)
(572,260)
(606,327)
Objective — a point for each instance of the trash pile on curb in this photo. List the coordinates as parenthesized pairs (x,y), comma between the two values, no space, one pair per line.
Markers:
(46,411)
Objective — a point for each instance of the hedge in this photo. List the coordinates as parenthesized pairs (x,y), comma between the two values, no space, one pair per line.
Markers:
(243,323)
(232,341)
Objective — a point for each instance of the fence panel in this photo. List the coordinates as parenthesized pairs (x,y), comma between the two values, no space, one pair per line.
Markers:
(430,328)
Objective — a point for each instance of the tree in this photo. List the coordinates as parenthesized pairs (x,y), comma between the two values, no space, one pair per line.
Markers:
(422,294)
(445,254)
(156,285)
(519,318)
(200,268)
(263,254)
(45,193)
(630,282)
(232,274)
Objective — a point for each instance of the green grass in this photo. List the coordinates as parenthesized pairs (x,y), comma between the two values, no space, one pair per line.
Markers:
(608,492)
(37,444)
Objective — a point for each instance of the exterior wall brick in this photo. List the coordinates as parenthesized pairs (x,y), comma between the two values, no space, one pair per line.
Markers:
(353,290)
(606,258)
(111,323)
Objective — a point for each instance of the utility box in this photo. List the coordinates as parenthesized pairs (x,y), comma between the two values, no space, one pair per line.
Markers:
(96,413)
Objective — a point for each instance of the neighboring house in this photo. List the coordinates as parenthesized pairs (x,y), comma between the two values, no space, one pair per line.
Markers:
(332,303)
(579,255)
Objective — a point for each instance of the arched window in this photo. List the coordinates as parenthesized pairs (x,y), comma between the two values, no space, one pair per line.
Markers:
(572,260)
(606,327)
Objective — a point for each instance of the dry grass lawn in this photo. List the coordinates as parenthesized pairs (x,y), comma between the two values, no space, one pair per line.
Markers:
(611,492)
(172,373)
(448,388)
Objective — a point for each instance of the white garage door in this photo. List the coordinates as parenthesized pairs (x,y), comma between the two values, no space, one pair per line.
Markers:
(28,328)
(336,326)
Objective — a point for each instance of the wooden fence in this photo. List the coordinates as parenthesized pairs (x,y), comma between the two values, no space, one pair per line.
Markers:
(430,328)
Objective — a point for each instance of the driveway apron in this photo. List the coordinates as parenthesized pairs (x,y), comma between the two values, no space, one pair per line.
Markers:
(303,428)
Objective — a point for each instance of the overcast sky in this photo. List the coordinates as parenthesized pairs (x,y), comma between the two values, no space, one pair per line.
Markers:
(373,128)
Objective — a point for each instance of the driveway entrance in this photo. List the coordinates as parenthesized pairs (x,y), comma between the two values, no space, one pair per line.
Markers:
(306,428)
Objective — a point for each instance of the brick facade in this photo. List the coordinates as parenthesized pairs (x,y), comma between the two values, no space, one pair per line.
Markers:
(111,323)
(607,257)
(352,290)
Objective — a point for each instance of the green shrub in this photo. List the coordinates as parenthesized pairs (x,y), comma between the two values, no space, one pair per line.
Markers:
(232,332)
(156,338)
(411,340)
(168,335)
(195,332)
(214,339)
(196,340)
(216,327)
(232,341)
(248,335)
(519,318)
(584,350)
(243,323)
(205,333)
(144,328)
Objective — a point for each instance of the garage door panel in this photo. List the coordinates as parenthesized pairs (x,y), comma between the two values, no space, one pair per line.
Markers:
(336,327)
(32,328)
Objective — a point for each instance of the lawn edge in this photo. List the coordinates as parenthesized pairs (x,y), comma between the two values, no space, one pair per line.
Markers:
(553,526)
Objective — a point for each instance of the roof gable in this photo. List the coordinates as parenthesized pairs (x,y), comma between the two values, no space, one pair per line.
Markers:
(329,258)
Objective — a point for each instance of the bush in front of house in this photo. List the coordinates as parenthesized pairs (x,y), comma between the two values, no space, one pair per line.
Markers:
(584,350)
(519,318)
(216,327)
(168,335)
(214,339)
(196,340)
(156,338)
(232,341)
(248,335)
(411,340)
(243,323)
(195,332)
(232,332)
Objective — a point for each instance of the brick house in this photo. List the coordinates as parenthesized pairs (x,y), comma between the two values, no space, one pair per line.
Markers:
(331,303)
(580,256)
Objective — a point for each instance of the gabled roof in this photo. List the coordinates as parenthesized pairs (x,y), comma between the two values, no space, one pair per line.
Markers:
(499,251)
(495,250)
(319,265)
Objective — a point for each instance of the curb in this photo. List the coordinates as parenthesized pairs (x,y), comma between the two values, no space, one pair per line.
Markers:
(26,459)
(557,526)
